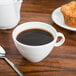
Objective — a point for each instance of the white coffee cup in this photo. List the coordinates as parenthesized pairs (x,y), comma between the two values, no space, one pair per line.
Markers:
(37,53)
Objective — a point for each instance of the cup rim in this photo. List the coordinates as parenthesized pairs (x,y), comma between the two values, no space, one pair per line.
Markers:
(15,40)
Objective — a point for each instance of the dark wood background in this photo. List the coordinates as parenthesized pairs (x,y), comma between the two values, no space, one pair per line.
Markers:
(62,60)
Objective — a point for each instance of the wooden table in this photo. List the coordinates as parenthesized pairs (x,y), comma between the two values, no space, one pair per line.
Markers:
(62,60)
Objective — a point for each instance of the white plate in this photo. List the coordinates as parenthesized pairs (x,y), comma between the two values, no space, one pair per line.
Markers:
(58,18)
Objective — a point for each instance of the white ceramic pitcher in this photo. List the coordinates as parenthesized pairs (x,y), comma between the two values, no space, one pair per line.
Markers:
(9,13)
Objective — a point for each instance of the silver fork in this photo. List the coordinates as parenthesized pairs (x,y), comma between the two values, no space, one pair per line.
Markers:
(2,55)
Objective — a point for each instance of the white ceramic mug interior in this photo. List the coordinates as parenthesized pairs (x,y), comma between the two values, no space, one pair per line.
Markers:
(37,53)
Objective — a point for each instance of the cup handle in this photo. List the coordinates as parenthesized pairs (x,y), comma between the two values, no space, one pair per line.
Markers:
(59,43)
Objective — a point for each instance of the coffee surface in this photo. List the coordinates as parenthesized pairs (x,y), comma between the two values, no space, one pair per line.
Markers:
(34,37)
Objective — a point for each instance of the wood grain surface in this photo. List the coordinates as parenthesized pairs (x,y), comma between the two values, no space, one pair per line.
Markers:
(61,61)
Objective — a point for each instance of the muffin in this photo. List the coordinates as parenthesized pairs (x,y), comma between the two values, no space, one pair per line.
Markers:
(69,12)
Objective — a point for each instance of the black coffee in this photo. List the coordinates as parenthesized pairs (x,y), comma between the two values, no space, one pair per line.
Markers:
(35,37)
